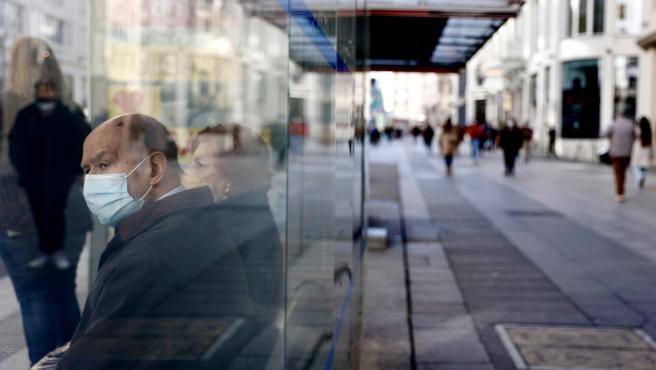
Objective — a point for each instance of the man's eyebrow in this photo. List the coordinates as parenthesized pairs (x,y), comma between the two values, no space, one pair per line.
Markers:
(103,155)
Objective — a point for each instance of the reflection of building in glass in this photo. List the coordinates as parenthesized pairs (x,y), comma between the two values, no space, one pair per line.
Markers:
(60,23)
(192,64)
(531,70)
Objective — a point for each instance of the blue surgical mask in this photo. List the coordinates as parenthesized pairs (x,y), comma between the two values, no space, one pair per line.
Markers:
(108,198)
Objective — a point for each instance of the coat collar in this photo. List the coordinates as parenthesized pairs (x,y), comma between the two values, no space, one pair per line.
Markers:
(150,214)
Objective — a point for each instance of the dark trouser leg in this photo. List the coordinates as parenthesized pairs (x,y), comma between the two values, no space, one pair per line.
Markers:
(620,165)
(509,157)
(48,304)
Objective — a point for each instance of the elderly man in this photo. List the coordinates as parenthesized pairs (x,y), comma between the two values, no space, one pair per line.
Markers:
(171,290)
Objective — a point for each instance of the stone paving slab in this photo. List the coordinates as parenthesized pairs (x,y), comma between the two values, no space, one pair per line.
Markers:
(541,347)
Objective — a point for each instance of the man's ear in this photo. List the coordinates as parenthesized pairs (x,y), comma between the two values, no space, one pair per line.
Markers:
(158,164)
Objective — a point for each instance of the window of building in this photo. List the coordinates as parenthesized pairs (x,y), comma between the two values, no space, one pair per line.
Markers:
(599,13)
(580,99)
(626,71)
(583,16)
(11,16)
(586,17)
(53,29)
(629,16)
(534,90)
(570,18)
(547,81)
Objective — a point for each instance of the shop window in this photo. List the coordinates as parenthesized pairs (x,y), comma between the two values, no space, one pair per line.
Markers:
(625,86)
(580,103)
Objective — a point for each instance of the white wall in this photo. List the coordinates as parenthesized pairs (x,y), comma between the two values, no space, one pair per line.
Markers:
(537,39)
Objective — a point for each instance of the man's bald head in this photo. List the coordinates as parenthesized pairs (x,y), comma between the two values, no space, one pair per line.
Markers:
(121,143)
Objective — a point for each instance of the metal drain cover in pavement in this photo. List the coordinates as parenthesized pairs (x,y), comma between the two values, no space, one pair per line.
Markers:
(535,347)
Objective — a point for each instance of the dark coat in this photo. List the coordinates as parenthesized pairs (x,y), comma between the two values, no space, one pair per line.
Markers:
(171,293)
(511,139)
(249,221)
(46,151)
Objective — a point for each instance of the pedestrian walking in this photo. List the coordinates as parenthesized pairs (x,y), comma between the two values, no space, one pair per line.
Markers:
(621,134)
(510,140)
(48,304)
(527,131)
(552,142)
(448,142)
(476,133)
(643,153)
(428,134)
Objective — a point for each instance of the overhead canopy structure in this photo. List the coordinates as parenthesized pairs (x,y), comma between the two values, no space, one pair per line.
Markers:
(430,35)
(399,35)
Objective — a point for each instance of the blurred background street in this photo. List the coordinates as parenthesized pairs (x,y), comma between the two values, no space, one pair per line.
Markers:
(549,248)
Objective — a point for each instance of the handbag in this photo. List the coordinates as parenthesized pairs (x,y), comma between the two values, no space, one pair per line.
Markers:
(603,152)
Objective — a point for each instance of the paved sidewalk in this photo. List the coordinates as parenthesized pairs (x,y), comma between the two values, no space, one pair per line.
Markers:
(548,250)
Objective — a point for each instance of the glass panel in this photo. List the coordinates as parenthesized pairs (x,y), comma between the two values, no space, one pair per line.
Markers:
(223,157)
(599,14)
(580,103)
(583,16)
(626,86)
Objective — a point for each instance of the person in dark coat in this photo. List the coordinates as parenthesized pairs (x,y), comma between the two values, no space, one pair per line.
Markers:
(428,134)
(511,139)
(45,148)
(171,292)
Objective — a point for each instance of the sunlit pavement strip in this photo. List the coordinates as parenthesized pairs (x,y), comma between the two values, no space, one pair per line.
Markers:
(549,347)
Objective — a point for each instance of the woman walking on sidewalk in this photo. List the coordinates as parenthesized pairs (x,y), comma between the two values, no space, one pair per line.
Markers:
(621,135)
(448,142)
(643,153)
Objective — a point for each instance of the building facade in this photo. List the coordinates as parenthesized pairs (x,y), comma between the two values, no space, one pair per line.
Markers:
(416,98)
(62,23)
(573,65)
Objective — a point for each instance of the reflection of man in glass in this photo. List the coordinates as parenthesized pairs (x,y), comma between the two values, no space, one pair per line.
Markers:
(171,287)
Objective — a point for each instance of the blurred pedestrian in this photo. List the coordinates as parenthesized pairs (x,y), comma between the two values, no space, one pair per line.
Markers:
(428,134)
(48,303)
(476,133)
(621,134)
(491,137)
(45,148)
(552,142)
(448,142)
(527,132)
(510,140)
(643,153)
(416,131)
